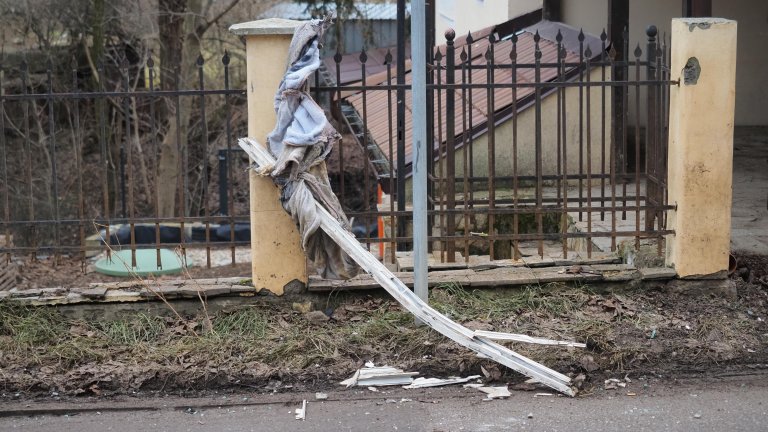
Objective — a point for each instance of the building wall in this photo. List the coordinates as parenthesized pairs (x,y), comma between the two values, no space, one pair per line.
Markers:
(751,57)
(526,138)
(469,15)
(751,60)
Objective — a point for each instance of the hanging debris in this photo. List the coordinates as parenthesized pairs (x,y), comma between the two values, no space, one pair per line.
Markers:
(301,141)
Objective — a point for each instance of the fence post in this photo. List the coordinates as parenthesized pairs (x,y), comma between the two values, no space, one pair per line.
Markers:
(700,155)
(278,259)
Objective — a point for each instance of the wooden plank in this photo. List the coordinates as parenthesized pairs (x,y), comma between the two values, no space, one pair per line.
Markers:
(460,334)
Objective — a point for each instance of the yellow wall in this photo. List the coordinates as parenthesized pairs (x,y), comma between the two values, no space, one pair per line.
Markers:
(526,159)
(701,148)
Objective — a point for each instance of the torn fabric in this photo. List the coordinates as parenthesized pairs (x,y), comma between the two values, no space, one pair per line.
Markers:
(301,141)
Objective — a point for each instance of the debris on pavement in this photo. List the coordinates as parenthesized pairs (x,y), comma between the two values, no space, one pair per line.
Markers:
(301,413)
(437,382)
(615,383)
(495,392)
(372,375)
(321,396)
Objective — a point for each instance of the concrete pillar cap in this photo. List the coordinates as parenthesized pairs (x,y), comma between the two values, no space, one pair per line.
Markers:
(269,26)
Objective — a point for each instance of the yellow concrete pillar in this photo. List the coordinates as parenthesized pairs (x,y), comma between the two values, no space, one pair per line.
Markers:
(278,258)
(701,145)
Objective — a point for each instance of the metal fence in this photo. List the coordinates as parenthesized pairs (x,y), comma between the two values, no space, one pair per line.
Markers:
(546,142)
(81,159)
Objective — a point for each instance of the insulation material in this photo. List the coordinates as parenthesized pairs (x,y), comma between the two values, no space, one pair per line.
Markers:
(301,141)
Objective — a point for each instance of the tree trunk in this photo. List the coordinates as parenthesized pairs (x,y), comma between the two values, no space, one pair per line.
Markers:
(179,47)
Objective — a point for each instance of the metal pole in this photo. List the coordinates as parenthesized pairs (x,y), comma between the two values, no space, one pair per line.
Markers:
(419,95)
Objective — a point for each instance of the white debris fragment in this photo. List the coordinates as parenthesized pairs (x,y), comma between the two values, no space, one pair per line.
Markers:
(614,383)
(495,392)
(301,413)
(524,338)
(437,382)
(372,375)
(373,389)
(543,394)
(321,396)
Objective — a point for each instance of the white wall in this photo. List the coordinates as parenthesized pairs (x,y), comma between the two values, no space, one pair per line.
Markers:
(752,55)
(464,16)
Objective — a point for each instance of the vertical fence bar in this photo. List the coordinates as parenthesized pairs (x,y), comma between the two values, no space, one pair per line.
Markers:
(603,38)
(366,180)
(156,148)
(78,155)
(104,157)
(204,123)
(624,162)
(230,173)
(638,54)
(181,166)
(588,55)
(465,151)
(54,164)
(538,146)
(581,122)
(515,174)
(661,173)
(563,124)
(439,175)
(6,185)
(390,124)
(491,93)
(450,119)
(337,61)
(470,141)
(28,142)
(651,153)
(616,139)
(559,91)
(128,143)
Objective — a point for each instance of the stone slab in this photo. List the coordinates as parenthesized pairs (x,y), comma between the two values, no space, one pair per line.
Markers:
(657,273)
(269,26)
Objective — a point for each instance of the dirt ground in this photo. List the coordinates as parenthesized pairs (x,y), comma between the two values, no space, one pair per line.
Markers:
(269,345)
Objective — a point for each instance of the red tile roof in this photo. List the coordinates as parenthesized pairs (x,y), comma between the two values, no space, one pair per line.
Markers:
(372,105)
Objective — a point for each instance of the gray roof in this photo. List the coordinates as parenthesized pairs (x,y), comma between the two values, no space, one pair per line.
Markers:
(371,11)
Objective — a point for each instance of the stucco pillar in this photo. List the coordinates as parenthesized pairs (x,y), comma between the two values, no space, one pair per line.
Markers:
(278,258)
(701,145)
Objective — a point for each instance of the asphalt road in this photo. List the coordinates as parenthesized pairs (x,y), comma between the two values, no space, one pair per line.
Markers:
(707,405)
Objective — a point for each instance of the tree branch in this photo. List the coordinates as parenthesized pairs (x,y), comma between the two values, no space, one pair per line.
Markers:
(204,27)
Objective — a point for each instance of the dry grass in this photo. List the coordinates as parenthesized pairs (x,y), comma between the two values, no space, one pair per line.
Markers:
(42,349)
